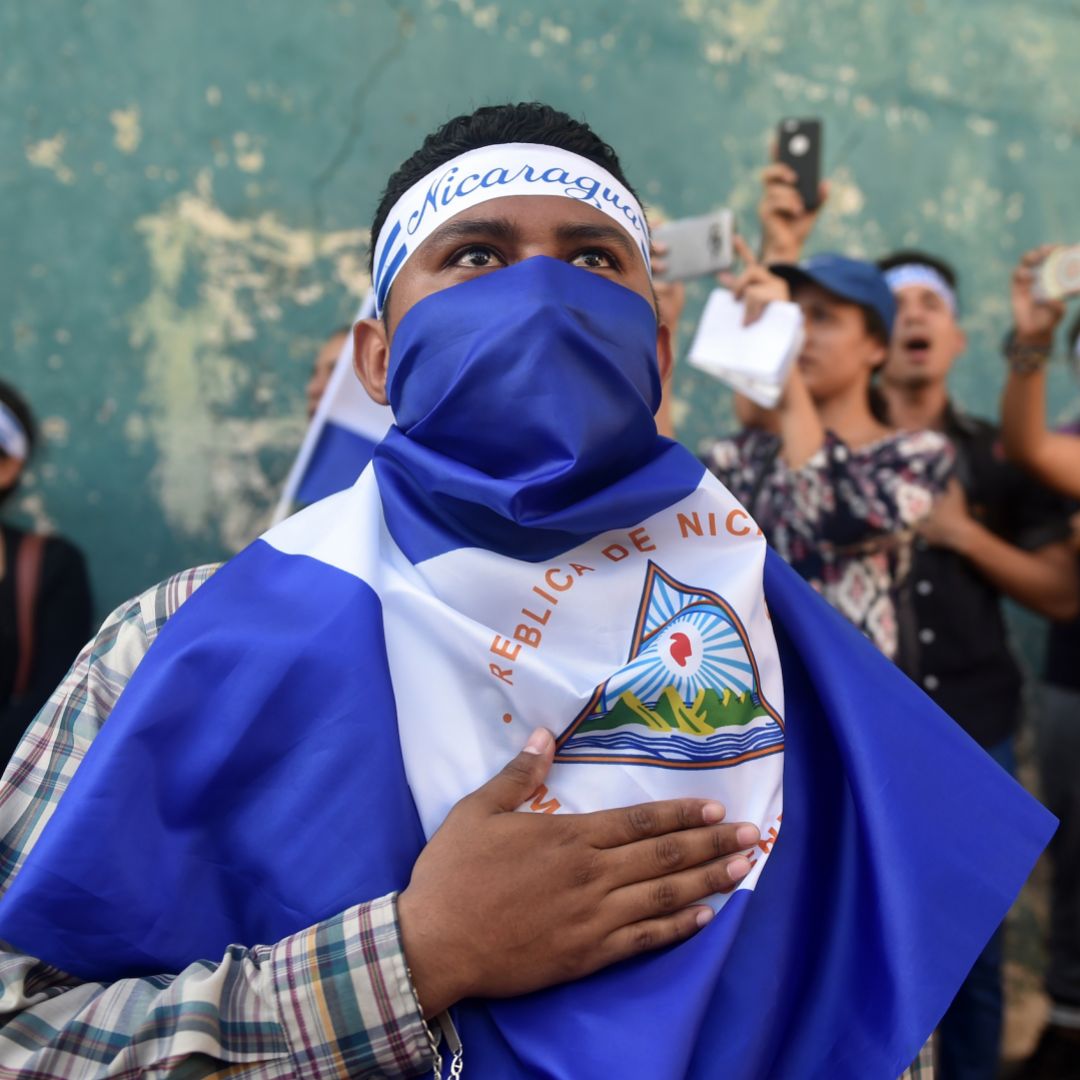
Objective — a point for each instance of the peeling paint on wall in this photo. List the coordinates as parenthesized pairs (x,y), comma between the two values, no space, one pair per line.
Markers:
(207,474)
(184,194)
(128,132)
(48,154)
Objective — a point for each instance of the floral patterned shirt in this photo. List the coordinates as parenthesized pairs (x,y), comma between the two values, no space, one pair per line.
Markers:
(844,520)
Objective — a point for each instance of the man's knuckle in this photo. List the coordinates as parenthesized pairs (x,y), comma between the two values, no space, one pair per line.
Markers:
(669,853)
(642,938)
(719,842)
(569,834)
(587,870)
(716,879)
(518,771)
(681,929)
(663,896)
(641,820)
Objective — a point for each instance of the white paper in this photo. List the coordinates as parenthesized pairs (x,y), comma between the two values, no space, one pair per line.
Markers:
(754,360)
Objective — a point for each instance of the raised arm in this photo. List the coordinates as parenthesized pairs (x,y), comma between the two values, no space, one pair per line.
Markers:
(795,418)
(786,224)
(1053,457)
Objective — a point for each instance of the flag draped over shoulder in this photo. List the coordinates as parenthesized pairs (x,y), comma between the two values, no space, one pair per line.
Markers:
(311,714)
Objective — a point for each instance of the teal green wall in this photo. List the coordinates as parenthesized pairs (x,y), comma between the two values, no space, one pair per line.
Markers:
(185,188)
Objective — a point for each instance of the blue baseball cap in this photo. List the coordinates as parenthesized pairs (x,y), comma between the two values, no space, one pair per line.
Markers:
(852,280)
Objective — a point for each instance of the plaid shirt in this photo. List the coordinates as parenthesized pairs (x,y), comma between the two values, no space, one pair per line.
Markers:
(334,1000)
(331,1001)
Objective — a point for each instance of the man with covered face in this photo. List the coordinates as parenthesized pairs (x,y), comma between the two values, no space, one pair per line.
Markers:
(300,753)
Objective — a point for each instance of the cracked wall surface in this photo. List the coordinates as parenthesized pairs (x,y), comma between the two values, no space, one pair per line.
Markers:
(187,189)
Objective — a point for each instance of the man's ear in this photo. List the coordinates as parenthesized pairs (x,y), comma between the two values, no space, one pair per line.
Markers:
(371,357)
(10,467)
(961,341)
(664,355)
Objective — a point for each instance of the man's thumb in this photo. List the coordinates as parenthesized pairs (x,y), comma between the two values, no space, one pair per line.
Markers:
(522,775)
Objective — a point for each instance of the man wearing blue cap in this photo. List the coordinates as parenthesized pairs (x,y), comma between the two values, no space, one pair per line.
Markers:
(835,489)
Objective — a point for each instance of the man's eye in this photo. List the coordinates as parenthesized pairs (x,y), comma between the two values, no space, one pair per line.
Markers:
(595,259)
(475,256)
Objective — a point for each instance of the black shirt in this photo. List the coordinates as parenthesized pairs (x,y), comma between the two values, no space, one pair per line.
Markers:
(62,624)
(1063,655)
(961,655)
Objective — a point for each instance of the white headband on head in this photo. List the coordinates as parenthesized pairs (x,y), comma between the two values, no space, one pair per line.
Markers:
(495,172)
(900,277)
(13,438)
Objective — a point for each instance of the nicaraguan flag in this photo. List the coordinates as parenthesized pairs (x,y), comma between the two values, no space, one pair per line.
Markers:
(524,549)
(310,716)
(342,435)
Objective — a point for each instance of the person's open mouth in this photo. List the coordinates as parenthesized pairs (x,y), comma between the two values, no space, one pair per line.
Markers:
(917,348)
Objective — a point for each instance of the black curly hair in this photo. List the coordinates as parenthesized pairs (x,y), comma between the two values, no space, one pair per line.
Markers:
(527,121)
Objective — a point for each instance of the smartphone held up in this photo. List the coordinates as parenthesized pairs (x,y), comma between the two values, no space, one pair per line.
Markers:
(798,145)
(1058,275)
(697,246)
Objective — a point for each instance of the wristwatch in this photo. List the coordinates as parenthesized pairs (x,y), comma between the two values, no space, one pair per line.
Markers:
(1025,359)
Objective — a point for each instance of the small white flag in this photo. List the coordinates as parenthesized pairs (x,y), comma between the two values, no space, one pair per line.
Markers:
(754,360)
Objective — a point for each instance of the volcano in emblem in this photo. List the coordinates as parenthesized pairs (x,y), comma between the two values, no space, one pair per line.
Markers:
(689,695)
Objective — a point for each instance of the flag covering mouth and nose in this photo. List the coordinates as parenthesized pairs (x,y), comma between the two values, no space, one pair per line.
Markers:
(647,624)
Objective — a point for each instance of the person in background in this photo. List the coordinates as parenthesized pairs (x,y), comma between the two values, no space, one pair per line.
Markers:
(1054,456)
(45,608)
(835,489)
(325,359)
(996,533)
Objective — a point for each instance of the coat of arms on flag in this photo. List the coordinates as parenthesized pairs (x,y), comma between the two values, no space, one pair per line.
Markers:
(688,697)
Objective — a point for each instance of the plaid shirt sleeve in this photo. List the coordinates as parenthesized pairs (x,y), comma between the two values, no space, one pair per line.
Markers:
(334,1000)
(922,1068)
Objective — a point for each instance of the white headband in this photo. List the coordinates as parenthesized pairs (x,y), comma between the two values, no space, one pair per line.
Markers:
(900,277)
(495,172)
(13,438)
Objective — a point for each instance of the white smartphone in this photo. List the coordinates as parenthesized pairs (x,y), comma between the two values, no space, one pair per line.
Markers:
(697,246)
(1058,275)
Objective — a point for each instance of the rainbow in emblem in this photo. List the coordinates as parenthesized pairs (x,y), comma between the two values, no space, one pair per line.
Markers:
(688,696)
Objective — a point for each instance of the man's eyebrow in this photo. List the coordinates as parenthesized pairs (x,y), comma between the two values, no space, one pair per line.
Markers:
(587,230)
(472,228)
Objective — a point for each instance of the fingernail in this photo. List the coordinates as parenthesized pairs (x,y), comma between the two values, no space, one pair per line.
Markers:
(738,868)
(712,812)
(704,917)
(746,835)
(538,741)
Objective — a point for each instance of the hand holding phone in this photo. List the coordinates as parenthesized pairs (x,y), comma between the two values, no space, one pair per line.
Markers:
(696,246)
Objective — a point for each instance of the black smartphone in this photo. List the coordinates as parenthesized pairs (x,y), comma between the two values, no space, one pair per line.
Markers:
(798,144)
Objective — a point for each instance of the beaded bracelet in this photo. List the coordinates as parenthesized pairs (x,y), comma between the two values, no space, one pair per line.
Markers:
(1025,359)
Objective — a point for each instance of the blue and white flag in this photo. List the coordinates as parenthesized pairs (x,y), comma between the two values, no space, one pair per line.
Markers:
(525,550)
(342,434)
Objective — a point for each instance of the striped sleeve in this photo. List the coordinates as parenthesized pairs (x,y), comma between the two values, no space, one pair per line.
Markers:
(334,1000)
